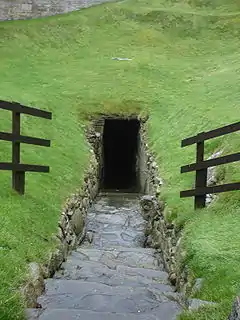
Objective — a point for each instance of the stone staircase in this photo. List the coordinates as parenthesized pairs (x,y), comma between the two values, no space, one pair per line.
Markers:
(111,276)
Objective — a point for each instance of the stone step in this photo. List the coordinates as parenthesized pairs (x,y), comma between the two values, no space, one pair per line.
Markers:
(102,274)
(158,275)
(66,314)
(97,218)
(70,294)
(78,269)
(118,200)
(121,280)
(125,238)
(125,249)
(111,258)
(120,221)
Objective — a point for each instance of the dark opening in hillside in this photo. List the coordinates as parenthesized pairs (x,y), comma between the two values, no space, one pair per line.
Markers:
(120,146)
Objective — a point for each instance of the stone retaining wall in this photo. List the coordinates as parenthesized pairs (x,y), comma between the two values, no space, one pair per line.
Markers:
(162,234)
(149,181)
(71,232)
(27,9)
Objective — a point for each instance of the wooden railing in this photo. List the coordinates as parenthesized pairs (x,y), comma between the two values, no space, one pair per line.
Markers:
(18,169)
(201,165)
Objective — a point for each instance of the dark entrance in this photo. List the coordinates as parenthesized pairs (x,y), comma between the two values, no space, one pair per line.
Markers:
(120,146)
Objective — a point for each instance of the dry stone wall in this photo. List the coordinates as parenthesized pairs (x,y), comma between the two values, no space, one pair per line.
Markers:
(160,233)
(163,235)
(71,232)
(27,9)
(149,180)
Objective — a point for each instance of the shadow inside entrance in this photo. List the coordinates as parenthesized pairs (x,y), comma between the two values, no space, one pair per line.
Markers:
(120,147)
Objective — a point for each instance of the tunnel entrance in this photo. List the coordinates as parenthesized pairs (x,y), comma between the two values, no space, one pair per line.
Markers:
(120,148)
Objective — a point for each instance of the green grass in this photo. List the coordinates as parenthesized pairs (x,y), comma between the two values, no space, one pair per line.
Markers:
(185,72)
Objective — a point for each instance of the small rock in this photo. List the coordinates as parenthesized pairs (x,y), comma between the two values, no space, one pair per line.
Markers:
(149,206)
(195,304)
(175,296)
(154,164)
(70,213)
(60,234)
(159,181)
(89,236)
(77,222)
(121,59)
(33,313)
(35,285)
(197,285)
(4,248)
(55,260)
(173,278)
(62,221)
(158,191)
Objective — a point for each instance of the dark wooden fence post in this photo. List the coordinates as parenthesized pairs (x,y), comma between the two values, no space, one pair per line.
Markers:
(18,169)
(201,166)
(201,177)
(18,177)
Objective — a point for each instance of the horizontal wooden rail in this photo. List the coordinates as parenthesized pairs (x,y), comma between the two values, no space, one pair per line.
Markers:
(208,190)
(201,166)
(17,107)
(18,169)
(24,139)
(23,167)
(211,163)
(211,134)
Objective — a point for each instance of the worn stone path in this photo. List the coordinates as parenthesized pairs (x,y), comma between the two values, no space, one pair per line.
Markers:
(111,276)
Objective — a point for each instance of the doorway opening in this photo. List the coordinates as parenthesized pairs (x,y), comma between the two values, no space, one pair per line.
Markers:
(120,152)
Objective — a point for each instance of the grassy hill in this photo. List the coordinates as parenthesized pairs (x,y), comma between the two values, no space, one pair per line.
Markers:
(184,71)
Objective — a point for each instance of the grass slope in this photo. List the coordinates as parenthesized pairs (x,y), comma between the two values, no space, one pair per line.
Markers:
(184,72)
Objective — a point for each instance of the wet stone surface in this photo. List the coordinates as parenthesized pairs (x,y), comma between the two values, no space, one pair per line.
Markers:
(111,276)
